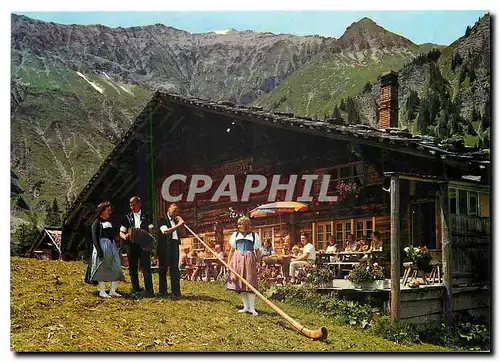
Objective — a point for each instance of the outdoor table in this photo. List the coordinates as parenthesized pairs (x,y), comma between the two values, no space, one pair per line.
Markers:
(341,259)
(209,264)
(343,255)
(322,258)
(276,259)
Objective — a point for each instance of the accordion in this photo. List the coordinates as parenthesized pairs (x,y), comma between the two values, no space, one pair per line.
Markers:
(142,238)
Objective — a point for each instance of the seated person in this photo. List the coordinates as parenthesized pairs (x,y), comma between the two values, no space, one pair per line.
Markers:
(195,262)
(287,245)
(307,258)
(213,267)
(376,242)
(351,243)
(267,248)
(295,251)
(362,245)
(184,258)
(218,264)
(219,251)
(184,265)
(332,247)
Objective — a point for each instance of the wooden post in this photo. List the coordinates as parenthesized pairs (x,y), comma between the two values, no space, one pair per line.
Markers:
(446,257)
(395,249)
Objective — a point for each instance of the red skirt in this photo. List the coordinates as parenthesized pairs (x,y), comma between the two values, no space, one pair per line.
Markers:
(246,266)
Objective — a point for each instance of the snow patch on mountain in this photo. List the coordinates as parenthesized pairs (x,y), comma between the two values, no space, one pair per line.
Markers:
(95,86)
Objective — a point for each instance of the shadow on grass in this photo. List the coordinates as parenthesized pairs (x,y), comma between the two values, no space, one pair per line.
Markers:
(130,296)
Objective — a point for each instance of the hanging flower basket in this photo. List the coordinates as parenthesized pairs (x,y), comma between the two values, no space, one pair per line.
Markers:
(347,193)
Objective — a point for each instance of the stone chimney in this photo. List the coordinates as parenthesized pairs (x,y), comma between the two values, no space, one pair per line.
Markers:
(388,109)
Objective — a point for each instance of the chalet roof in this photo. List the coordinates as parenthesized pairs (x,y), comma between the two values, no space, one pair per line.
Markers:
(390,138)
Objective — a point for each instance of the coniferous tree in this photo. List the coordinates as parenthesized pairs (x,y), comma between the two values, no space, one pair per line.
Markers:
(442,125)
(336,113)
(467,31)
(485,124)
(423,118)
(456,61)
(22,240)
(367,88)
(412,103)
(454,124)
(463,73)
(343,107)
(434,105)
(472,75)
(352,112)
(53,218)
(474,115)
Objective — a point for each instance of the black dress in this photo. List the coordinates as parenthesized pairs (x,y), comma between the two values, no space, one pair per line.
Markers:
(107,267)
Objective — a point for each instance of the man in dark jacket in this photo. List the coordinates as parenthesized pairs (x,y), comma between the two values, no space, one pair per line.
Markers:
(168,251)
(137,219)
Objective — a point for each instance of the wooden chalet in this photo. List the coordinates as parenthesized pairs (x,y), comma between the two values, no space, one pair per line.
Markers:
(184,135)
(48,244)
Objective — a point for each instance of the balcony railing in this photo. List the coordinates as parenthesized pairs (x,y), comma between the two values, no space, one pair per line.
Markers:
(470,225)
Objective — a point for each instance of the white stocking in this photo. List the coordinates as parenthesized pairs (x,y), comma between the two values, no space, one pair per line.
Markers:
(251,302)
(102,292)
(244,298)
(112,291)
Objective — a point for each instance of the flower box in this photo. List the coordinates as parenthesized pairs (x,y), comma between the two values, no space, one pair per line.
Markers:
(366,274)
(367,285)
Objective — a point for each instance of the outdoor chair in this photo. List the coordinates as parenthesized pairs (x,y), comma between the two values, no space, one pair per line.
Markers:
(436,272)
(412,272)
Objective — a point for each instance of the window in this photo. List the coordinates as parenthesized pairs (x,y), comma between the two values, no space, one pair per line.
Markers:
(462,202)
(484,205)
(266,233)
(469,203)
(323,234)
(339,234)
(473,203)
(364,227)
(359,230)
(453,200)
(352,172)
(342,231)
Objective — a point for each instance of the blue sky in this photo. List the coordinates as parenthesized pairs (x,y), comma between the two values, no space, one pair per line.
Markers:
(440,27)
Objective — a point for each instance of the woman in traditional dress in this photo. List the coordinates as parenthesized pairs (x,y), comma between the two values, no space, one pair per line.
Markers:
(106,265)
(243,259)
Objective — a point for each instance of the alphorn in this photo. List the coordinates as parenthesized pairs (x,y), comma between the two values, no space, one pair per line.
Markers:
(316,334)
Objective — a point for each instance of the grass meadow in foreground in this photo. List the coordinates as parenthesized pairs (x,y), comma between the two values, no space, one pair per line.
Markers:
(52,309)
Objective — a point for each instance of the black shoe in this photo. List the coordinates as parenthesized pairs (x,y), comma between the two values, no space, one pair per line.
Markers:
(162,295)
(146,294)
(176,296)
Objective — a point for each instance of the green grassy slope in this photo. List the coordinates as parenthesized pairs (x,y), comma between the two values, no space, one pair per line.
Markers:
(65,125)
(53,310)
(317,87)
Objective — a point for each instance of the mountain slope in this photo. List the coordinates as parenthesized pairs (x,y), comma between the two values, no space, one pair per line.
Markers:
(364,52)
(444,94)
(233,66)
(64,124)
(76,89)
